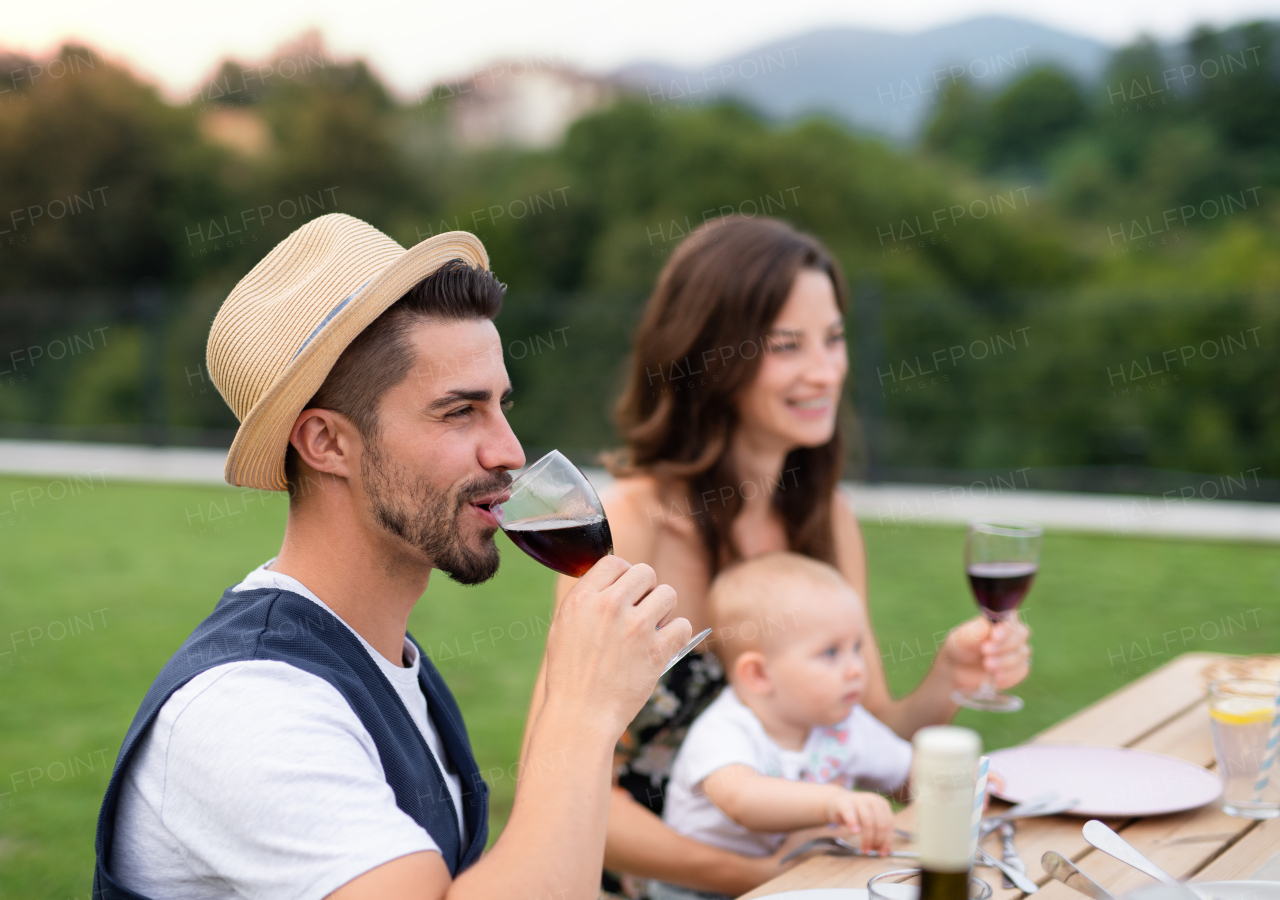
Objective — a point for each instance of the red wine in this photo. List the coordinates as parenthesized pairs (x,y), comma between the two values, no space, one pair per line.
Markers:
(570,546)
(1000,586)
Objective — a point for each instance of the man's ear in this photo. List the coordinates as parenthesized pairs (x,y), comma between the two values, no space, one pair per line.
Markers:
(327,442)
(751,673)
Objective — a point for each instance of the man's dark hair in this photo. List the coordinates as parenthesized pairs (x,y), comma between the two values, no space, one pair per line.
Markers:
(381,356)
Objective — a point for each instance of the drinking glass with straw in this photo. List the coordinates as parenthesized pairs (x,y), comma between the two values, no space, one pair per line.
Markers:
(1245,716)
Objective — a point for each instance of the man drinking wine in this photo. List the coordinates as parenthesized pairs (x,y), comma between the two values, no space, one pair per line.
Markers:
(299,743)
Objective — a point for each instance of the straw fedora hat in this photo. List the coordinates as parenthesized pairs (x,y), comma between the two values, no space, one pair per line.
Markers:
(285,324)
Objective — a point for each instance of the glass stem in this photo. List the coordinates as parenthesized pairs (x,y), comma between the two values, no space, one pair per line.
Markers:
(988,690)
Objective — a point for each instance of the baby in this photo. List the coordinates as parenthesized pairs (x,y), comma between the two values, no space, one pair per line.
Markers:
(786,743)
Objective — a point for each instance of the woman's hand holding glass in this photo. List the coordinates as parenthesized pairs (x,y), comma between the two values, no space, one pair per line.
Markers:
(978,650)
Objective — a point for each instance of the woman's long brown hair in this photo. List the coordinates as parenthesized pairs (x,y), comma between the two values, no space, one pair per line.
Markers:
(698,347)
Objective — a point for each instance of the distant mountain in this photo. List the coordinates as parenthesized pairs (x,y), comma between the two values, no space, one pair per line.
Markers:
(874,80)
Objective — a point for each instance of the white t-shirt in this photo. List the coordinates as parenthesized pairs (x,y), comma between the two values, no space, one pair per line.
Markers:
(258,780)
(860,752)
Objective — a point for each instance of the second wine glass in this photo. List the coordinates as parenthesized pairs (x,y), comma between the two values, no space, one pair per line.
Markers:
(1001,559)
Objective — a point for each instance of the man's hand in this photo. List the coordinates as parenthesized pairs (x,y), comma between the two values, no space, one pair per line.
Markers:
(863,813)
(609,642)
(978,650)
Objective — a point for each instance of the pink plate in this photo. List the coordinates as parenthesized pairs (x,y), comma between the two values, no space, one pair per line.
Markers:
(1110,781)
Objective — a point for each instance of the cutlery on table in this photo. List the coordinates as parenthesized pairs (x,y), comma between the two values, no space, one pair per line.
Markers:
(1020,881)
(1044,805)
(1009,852)
(1034,807)
(1062,869)
(843,847)
(1025,807)
(991,823)
(855,850)
(1106,840)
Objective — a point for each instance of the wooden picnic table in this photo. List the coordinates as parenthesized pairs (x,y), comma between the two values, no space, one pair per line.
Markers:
(1165,712)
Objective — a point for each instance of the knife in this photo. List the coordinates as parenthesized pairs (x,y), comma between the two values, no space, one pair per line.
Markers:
(844,847)
(1026,806)
(854,850)
(1062,869)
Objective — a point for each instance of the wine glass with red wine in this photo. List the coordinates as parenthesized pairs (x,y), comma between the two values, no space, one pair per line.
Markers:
(1001,558)
(554,515)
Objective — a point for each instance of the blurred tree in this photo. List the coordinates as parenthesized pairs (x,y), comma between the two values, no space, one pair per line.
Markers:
(962,125)
(100,176)
(334,129)
(1238,88)
(1036,114)
(1018,128)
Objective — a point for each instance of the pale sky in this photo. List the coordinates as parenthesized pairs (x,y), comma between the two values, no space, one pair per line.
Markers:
(412,44)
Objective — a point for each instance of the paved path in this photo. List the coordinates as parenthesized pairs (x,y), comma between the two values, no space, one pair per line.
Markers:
(113,461)
(1169,516)
(892,505)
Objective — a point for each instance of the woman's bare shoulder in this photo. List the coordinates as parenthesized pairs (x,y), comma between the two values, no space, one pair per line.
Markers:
(842,504)
(651,524)
(639,510)
(632,492)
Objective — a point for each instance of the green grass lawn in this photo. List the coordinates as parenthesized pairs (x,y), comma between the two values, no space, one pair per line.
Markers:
(102,585)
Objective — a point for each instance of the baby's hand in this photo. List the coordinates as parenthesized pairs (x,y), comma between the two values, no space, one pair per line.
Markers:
(864,813)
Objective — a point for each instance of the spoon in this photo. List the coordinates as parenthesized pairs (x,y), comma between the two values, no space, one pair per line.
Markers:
(1106,840)
(1062,869)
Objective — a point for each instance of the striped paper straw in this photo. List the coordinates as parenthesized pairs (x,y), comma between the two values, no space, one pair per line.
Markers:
(1273,741)
(979,797)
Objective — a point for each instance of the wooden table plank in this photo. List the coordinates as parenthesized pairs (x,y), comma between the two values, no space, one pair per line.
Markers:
(1243,858)
(1130,713)
(1163,712)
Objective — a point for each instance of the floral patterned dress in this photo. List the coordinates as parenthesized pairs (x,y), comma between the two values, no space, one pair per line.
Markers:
(648,746)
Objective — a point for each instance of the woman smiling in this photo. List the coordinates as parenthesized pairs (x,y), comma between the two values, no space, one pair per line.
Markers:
(731,419)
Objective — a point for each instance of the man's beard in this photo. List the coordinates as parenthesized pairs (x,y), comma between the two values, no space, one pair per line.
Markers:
(428,519)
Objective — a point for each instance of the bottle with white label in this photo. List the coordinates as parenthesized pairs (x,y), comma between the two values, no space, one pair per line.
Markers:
(943,773)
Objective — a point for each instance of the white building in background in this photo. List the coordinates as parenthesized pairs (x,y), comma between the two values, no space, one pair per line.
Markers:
(525,102)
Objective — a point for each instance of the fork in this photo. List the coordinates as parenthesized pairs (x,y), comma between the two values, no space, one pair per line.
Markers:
(1009,852)
(844,848)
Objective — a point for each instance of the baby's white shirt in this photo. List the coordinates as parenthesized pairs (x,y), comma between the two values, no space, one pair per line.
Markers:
(860,752)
